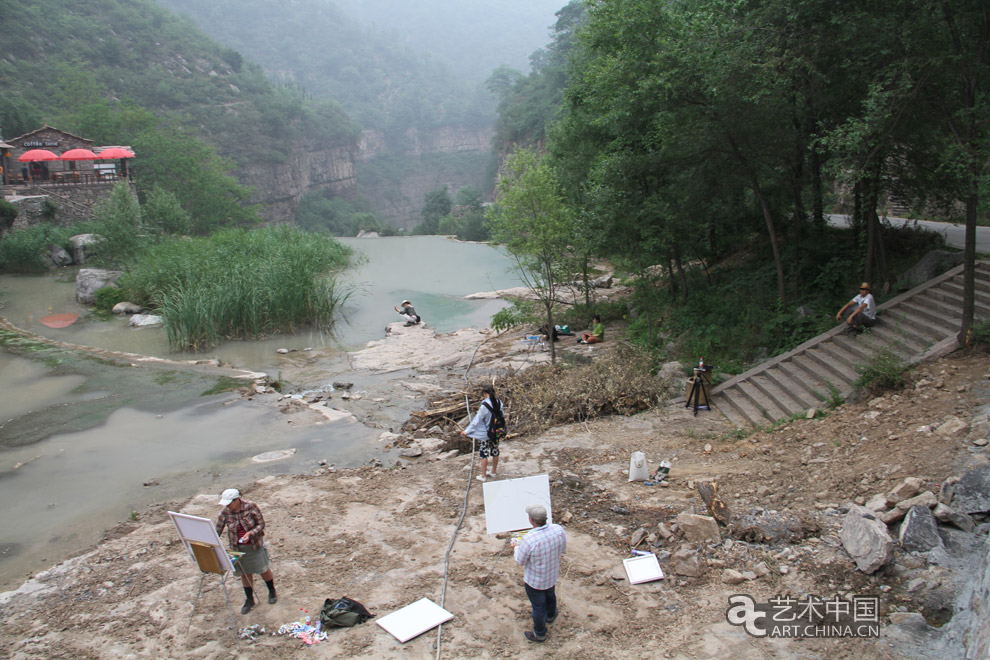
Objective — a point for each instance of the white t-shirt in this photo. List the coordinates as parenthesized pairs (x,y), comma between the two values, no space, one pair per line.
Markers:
(871,306)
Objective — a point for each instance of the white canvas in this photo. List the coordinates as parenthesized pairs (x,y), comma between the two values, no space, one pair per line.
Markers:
(506,502)
(413,620)
(645,568)
(194,528)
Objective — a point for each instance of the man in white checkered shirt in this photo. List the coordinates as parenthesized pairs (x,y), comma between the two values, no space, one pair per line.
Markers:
(539,552)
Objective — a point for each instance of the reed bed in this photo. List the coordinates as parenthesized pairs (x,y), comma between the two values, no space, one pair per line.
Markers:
(240,284)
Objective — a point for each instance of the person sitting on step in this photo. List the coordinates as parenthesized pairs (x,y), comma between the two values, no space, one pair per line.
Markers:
(864,310)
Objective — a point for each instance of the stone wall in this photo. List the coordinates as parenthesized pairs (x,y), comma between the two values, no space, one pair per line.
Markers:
(71,204)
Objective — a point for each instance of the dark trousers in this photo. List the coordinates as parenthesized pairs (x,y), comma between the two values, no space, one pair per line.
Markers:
(544,602)
(861,320)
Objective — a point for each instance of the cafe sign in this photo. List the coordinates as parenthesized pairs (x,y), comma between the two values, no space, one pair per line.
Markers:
(39,143)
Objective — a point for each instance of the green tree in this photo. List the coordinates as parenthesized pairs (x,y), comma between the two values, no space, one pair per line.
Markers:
(533,221)
(120,217)
(437,204)
(163,212)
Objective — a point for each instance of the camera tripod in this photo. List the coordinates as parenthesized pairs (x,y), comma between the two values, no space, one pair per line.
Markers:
(697,397)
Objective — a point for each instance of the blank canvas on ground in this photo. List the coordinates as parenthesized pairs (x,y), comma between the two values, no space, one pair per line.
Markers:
(413,620)
(645,568)
(506,502)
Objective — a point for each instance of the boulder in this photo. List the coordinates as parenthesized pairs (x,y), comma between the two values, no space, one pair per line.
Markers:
(866,539)
(58,257)
(687,562)
(412,451)
(907,488)
(929,266)
(919,531)
(91,280)
(732,576)
(926,498)
(79,243)
(144,320)
(952,427)
(126,308)
(972,493)
(698,528)
(603,282)
(877,503)
(949,515)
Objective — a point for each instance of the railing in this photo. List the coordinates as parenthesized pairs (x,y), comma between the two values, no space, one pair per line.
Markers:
(67,179)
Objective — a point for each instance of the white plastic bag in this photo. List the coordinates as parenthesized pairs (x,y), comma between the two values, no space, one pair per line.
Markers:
(638,471)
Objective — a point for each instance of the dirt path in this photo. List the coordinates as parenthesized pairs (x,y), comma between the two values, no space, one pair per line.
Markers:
(379,535)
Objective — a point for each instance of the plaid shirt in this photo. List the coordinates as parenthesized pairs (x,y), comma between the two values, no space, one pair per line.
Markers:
(249,517)
(539,553)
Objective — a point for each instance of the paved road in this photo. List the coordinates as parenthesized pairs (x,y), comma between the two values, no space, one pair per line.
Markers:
(954,234)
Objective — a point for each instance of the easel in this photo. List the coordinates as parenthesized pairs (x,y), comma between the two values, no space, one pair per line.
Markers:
(697,397)
(199,536)
(206,558)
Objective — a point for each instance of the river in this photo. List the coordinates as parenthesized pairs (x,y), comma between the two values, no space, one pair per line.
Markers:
(84,444)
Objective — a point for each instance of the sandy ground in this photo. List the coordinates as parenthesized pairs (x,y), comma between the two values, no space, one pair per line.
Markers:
(379,534)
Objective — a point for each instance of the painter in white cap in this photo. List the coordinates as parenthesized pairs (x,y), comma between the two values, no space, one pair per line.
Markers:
(246,533)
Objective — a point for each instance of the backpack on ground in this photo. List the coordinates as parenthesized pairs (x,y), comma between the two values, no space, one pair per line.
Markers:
(342,613)
(496,425)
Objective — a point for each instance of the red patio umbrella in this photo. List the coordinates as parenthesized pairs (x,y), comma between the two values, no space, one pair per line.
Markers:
(35,155)
(115,152)
(78,154)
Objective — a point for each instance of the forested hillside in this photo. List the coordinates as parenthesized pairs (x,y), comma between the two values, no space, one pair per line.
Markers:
(321,49)
(72,64)
(689,132)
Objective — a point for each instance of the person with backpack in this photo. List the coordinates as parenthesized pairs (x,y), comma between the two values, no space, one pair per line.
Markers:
(488,427)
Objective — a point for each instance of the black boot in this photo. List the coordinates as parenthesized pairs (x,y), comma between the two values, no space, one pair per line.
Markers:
(249,600)
(272,597)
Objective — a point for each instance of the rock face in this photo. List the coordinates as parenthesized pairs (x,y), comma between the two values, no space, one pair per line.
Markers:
(58,257)
(866,539)
(972,493)
(309,167)
(91,280)
(919,531)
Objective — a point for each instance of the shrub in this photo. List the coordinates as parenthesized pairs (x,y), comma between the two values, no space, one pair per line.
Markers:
(886,371)
(8,213)
(23,251)
(979,336)
(109,296)
(518,312)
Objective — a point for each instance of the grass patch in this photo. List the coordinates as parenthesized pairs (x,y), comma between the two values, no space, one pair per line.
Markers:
(886,371)
(239,284)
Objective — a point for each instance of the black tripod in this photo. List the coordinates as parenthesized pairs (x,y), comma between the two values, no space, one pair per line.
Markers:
(697,397)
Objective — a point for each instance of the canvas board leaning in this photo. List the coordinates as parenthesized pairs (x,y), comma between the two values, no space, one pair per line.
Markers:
(201,530)
(506,502)
(645,568)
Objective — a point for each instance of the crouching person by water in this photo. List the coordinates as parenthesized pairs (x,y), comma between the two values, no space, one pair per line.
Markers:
(539,553)
(246,533)
(408,313)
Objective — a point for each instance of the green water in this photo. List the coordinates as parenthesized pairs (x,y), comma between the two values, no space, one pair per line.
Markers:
(81,436)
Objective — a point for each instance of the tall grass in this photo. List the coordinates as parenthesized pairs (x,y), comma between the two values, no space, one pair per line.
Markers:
(240,284)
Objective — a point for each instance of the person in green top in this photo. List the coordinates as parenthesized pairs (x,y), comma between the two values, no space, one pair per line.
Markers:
(597,333)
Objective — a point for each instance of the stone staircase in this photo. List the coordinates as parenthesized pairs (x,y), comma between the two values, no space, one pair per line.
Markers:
(917,325)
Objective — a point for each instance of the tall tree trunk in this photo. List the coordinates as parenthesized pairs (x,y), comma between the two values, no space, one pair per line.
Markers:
(768,216)
(818,208)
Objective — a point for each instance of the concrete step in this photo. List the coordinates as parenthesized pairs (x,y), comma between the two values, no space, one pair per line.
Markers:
(842,373)
(740,407)
(783,374)
(768,408)
(788,403)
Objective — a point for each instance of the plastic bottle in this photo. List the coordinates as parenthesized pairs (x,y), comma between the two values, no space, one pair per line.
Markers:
(701,364)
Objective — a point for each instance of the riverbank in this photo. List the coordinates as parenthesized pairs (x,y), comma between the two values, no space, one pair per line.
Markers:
(379,534)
